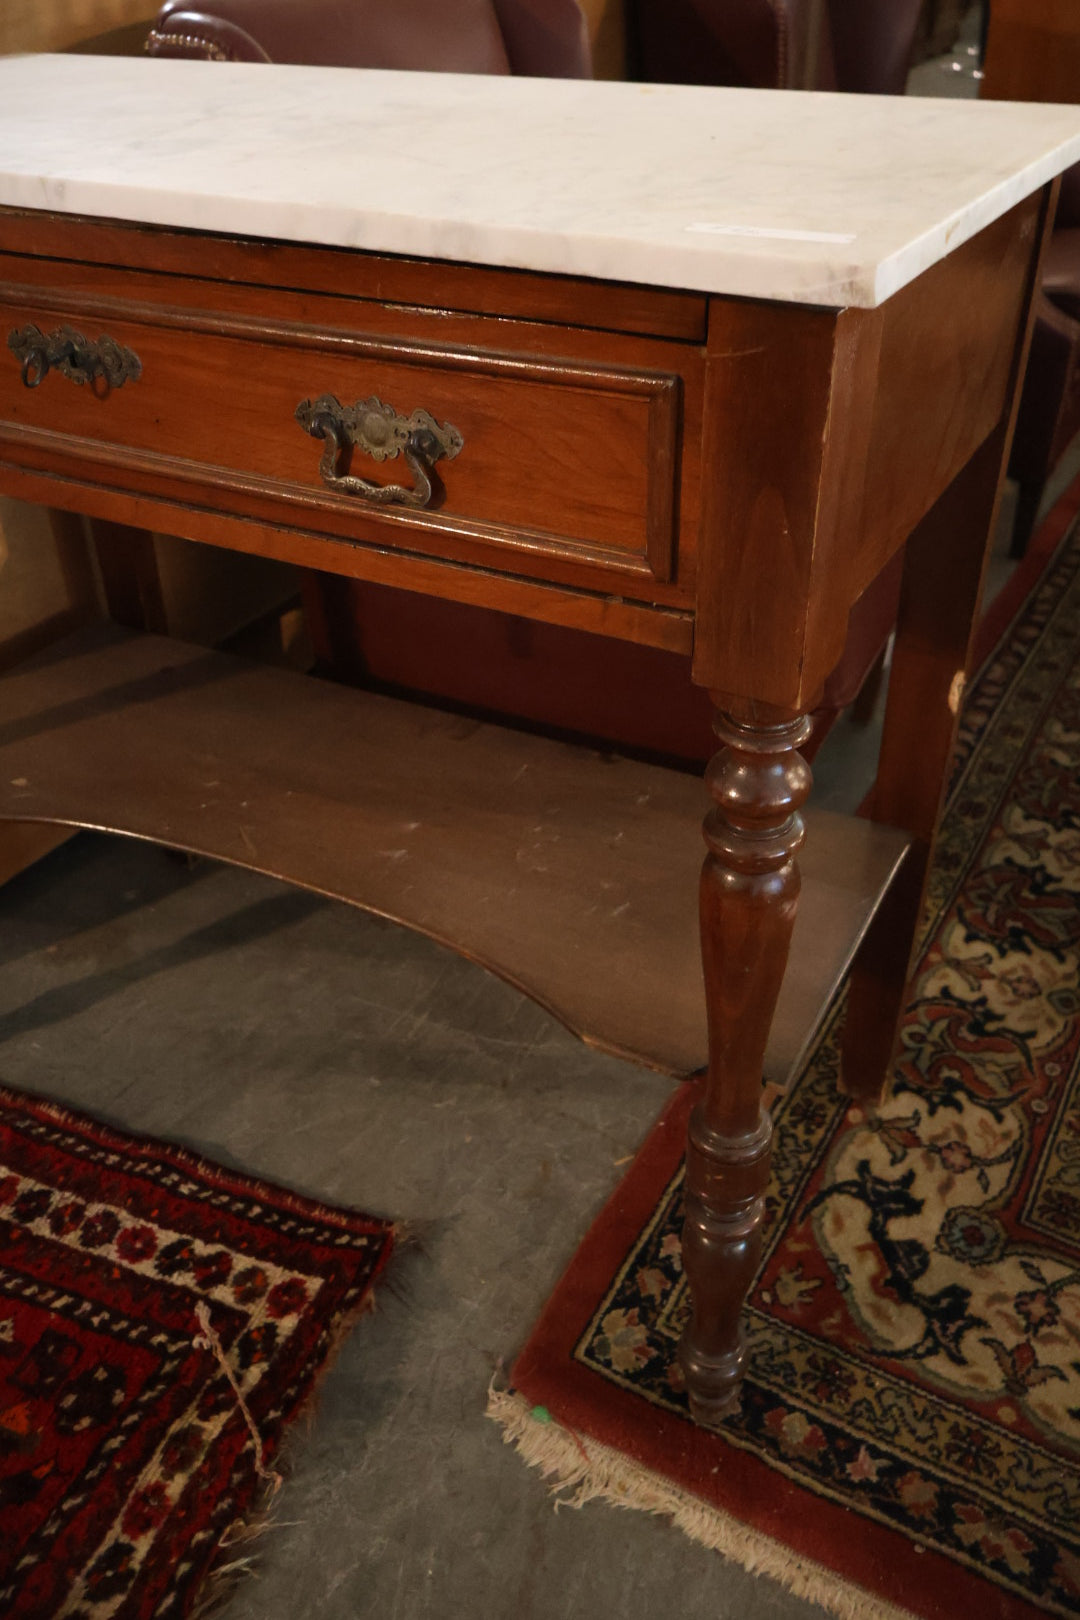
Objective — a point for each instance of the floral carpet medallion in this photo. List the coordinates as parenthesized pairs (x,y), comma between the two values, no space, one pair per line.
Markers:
(915,1325)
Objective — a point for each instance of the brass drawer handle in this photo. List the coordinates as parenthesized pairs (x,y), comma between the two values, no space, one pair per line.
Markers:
(381,433)
(73,356)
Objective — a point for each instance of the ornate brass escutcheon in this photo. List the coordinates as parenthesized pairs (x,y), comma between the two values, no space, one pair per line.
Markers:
(73,356)
(381,433)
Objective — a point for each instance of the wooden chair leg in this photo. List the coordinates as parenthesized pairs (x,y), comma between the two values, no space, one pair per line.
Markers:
(331,613)
(942,587)
(129,574)
(1027,510)
(866,699)
(749,895)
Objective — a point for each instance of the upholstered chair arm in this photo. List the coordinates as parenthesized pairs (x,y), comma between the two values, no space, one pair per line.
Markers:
(546,39)
(766,44)
(197,36)
(411,34)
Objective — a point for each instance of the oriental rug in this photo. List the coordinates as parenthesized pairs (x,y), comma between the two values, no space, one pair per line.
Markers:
(909,1439)
(161,1321)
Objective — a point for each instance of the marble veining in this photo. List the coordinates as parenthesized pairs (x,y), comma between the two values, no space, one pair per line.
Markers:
(808,198)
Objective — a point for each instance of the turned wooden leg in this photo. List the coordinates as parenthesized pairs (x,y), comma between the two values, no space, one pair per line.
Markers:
(749,894)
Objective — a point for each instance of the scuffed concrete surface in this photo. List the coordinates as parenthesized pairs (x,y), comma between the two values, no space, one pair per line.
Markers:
(305,1043)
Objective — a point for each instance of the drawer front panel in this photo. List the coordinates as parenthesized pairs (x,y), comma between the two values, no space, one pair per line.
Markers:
(565,467)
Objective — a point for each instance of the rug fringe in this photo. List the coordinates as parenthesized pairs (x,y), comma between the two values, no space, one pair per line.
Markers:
(227,1572)
(588,1470)
(225,1576)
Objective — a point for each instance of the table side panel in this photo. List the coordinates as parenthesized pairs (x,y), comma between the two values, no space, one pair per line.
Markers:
(828,435)
(947,346)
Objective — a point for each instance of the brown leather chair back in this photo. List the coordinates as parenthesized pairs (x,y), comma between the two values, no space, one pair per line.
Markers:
(547,37)
(872,42)
(861,45)
(762,44)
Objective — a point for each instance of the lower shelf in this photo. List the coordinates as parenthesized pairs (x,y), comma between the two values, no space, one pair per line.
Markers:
(570,873)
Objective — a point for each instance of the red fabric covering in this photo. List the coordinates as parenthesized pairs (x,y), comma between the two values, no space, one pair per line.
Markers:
(124,1453)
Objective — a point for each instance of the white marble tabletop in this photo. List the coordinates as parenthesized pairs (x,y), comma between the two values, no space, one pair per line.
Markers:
(808,198)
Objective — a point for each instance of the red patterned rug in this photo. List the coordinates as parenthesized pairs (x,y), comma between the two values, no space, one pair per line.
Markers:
(161,1320)
(909,1440)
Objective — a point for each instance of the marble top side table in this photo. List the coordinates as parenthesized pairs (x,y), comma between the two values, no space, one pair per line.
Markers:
(678,366)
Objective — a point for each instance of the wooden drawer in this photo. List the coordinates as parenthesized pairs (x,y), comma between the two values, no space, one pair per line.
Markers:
(566,442)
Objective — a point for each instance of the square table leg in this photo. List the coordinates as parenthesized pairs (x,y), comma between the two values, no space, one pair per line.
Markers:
(944,572)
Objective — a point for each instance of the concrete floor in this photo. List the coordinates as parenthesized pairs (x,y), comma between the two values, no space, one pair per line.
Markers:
(304,1042)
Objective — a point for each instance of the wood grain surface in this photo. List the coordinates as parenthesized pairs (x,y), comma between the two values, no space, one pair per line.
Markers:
(568,469)
(572,874)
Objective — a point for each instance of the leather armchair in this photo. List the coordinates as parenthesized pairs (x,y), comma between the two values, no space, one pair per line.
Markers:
(1033,54)
(1049,416)
(547,38)
(858,45)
